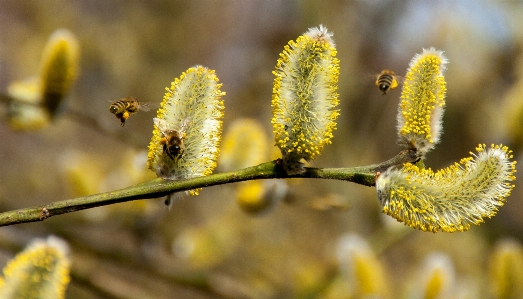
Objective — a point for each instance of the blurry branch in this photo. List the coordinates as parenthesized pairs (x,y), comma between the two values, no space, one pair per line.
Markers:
(155,188)
(87,121)
(384,239)
(93,124)
(5,99)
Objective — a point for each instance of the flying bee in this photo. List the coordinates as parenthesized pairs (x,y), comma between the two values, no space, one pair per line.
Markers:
(386,80)
(123,108)
(172,139)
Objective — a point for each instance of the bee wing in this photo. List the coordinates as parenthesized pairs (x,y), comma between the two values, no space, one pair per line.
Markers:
(400,79)
(370,77)
(160,124)
(143,107)
(146,106)
(184,125)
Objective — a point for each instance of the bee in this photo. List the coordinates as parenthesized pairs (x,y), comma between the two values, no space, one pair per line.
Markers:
(387,80)
(123,108)
(172,139)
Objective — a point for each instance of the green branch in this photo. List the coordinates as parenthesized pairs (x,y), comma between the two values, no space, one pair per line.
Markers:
(159,187)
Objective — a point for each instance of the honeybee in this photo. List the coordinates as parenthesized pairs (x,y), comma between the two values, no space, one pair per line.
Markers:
(386,80)
(172,139)
(123,108)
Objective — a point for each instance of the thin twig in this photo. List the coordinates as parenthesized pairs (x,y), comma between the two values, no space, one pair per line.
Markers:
(158,187)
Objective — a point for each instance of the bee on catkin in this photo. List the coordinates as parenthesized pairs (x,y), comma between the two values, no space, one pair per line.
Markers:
(172,139)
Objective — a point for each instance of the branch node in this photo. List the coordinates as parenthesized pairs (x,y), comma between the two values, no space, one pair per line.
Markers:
(44,214)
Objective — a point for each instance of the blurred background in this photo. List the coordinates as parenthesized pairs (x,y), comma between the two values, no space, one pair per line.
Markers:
(274,239)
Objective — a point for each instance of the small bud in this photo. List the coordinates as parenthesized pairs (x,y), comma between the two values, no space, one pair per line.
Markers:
(40,271)
(187,131)
(423,101)
(453,198)
(304,97)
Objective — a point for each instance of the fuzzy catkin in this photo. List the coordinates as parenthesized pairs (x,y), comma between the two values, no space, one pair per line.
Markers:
(193,99)
(451,199)
(304,97)
(423,101)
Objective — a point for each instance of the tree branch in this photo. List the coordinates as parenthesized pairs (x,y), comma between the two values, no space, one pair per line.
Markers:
(159,187)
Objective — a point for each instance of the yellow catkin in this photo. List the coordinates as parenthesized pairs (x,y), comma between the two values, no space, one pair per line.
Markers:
(193,101)
(451,199)
(423,101)
(304,97)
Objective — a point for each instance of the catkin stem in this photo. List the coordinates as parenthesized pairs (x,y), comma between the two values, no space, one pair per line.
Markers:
(159,187)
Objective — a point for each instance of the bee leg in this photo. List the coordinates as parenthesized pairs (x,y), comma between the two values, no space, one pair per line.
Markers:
(125,116)
(121,118)
(168,201)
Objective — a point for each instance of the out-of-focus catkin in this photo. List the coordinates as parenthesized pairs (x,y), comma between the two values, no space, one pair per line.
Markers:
(436,279)
(365,274)
(59,68)
(36,101)
(506,270)
(41,271)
